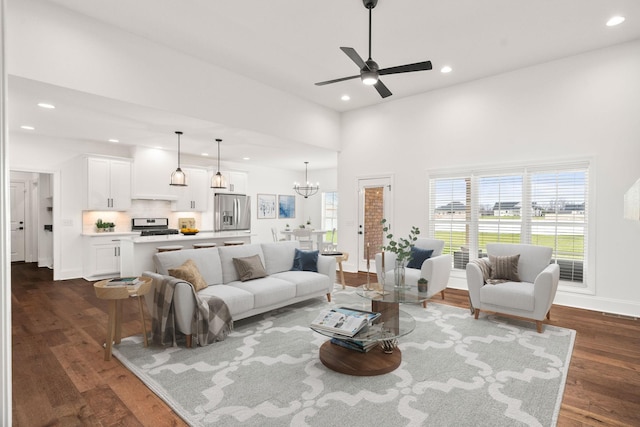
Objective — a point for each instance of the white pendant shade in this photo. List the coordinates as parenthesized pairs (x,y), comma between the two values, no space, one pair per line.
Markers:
(218,180)
(178,178)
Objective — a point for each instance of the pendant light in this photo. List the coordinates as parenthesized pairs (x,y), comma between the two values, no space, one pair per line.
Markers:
(308,189)
(178,178)
(218,180)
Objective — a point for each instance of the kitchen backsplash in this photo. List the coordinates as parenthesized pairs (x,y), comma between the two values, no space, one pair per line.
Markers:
(139,209)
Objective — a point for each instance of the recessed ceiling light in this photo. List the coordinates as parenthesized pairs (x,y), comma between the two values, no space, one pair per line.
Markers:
(345,97)
(204,154)
(246,158)
(46,105)
(25,127)
(157,147)
(114,140)
(616,20)
(446,69)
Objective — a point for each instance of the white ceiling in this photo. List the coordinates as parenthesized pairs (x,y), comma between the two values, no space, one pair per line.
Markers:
(291,44)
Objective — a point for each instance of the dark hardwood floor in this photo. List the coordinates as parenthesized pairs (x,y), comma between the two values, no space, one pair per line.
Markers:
(61,379)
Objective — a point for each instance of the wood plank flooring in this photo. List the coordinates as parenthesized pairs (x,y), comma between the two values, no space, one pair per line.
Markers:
(61,379)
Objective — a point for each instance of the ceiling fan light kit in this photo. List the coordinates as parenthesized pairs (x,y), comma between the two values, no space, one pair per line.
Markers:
(369,71)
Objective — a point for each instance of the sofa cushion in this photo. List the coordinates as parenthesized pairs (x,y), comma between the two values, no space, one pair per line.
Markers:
(228,253)
(518,295)
(238,300)
(305,261)
(505,267)
(268,290)
(249,268)
(207,260)
(278,256)
(306,282)
(189,271)
(418,256)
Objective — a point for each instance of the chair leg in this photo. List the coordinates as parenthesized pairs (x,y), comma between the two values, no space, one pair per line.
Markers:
(539,326)
(549,314)
(424,304)
(476,312)
(442,293)
(329,296)
(189,340)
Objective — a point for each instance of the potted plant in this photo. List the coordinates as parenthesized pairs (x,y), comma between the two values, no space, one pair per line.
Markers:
(286,227)
(423,285)
(100,226)
(401,248)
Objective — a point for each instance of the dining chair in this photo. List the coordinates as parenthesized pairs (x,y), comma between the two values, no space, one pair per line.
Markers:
(331,245)
(303,235)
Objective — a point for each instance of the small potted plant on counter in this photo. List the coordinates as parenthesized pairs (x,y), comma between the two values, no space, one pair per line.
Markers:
(102,226)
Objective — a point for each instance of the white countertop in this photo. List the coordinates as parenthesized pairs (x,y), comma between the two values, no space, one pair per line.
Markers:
(136,238)
(112,233)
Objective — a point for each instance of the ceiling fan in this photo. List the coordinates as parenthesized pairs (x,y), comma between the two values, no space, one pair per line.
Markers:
(369,71)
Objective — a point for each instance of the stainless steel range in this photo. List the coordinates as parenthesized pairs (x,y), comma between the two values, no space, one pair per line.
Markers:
(152,226)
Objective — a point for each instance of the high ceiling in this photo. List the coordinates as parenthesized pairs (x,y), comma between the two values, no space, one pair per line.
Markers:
(291,44)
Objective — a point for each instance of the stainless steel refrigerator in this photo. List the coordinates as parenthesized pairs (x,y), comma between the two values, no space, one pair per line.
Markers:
(231,212)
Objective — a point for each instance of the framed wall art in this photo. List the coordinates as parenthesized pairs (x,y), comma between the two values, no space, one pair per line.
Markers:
(286,206)
(266,206)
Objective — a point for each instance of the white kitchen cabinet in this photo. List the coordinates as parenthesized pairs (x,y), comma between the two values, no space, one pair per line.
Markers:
(193,197)
(108,184)
(237,182)
(102,257)
(152,170)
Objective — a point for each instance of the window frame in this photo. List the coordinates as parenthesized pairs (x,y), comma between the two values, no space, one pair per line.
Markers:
(528,222)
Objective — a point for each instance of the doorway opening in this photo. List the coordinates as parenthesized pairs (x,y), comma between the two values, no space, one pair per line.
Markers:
(31,205)
(375,204)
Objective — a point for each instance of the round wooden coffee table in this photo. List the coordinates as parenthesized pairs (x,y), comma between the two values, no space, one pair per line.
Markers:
(351,362)
(392,325)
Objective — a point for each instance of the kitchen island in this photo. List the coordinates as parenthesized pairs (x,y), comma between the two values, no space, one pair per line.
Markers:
(136,252)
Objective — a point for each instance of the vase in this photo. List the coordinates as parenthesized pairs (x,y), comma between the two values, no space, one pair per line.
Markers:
(398,274)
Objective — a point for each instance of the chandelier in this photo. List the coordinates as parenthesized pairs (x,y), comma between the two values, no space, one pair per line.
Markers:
(308,189)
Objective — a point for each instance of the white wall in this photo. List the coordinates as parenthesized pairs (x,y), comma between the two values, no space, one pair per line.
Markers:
(582,106)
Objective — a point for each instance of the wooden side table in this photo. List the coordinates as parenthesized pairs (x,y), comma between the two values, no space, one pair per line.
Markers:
(340,259)
(115,295)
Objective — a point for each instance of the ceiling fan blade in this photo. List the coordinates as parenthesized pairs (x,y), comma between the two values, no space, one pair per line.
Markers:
(336,80)
(382,89)
(351,53)
(418,66)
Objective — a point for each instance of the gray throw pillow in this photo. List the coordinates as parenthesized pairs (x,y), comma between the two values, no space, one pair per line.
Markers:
(505,267)
(249,268)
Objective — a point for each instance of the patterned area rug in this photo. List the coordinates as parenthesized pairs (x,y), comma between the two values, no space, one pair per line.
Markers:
(455,371)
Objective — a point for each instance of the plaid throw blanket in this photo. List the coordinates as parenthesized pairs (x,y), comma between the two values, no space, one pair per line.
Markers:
(211,321)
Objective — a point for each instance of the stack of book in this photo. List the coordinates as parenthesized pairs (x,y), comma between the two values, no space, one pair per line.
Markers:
(360,342)
(124,281)
(343,320)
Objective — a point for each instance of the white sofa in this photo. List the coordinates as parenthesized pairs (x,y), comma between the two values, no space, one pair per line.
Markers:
(435,269)
(280,288)
(530,298)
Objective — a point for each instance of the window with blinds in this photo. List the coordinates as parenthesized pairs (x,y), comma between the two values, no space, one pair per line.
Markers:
(537,205)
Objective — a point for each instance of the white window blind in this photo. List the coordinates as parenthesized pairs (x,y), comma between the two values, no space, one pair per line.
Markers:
(541,205)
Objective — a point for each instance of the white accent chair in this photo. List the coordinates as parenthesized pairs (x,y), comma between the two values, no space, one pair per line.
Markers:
(531,298)
(435,269)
